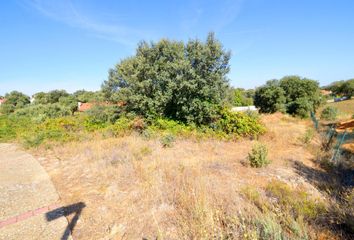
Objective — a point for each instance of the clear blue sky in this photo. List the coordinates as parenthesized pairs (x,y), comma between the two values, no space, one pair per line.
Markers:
(63,44)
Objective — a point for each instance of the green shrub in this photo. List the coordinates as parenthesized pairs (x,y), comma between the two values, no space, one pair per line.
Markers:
(12,126)
(169,126)
(258,156)
(101,116)
(41,112)
(237,123)
(121,127)
(329,113)
(167,140)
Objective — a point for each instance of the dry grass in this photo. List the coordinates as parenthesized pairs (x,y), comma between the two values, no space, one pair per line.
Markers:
(346,108)
(135,188)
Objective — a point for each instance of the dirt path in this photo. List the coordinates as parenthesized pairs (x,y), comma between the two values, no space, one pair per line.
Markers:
(28,199)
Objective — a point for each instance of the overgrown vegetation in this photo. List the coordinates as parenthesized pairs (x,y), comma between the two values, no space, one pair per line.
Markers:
(169,87)
(109,121)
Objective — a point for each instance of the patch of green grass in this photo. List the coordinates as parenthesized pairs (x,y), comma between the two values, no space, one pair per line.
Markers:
(295,201)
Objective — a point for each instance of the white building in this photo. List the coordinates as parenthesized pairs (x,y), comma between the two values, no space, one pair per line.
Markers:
(244,108)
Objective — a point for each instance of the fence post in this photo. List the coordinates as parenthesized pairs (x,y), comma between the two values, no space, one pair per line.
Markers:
(314,120)
(338,148)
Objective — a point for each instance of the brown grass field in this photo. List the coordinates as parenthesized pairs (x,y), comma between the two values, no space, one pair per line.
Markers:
(134,188)
(346,108)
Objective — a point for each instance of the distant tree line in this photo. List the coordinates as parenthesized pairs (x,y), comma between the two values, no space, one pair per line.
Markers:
(55,103)
(342,88)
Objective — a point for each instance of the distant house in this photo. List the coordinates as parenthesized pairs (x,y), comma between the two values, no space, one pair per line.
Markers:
(82,107)
(2,100)
(326,92)
(244,108)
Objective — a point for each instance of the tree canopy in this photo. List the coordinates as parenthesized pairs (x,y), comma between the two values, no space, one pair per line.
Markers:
(185,82)
(242,97)
(292,94)
(14,100)
(343,88)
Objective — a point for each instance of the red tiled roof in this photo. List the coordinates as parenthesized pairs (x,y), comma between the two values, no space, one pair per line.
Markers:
(82,107)
(85,106)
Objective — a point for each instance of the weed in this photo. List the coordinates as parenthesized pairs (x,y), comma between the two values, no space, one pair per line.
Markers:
(167,140)
(258,156)
(308,136)
(253,195)
(145,151)
(295,201)
(33,141)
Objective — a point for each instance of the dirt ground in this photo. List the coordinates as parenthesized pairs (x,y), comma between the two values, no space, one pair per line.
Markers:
(129,184)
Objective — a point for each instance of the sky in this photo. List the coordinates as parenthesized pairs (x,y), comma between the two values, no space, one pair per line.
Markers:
(71,44)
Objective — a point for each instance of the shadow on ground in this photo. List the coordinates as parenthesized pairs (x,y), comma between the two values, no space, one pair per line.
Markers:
(66,211)
(334,182)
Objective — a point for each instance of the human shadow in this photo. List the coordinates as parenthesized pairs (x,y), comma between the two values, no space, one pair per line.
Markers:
(66,211)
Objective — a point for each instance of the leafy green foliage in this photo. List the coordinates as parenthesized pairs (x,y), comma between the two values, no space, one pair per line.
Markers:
(292,94)
(302,95)
(101,116)
(258,157)
(50,97)
(329,113)
(33,133)
(270,98)
(88,96)
(41,111)
(238,123)
(14,100)
(170,79)
(242,97)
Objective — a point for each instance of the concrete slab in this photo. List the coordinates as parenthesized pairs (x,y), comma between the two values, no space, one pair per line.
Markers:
(25,187)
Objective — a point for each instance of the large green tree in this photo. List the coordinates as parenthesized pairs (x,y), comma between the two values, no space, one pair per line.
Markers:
(185,82)
(270,97)
(296,95)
